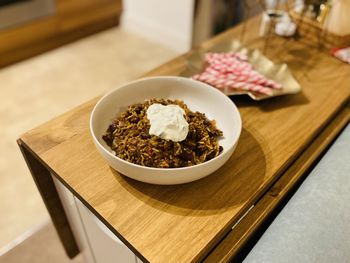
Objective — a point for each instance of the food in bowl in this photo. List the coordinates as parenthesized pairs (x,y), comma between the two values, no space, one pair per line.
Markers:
(137,136)
(197,95)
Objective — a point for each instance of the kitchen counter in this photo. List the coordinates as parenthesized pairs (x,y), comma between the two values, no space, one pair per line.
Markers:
(213,218)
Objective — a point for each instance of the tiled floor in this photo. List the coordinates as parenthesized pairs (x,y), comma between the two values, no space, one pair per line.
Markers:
(38,89)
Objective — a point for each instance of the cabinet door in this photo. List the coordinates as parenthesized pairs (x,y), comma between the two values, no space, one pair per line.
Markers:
(106,247)
(74,219)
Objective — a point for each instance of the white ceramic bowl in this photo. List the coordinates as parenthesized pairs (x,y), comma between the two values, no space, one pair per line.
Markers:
(198,97)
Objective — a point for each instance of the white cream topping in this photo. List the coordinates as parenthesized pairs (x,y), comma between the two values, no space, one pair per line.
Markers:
(167,122)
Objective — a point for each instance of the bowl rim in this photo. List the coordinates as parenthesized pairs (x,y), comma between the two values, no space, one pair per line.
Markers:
(235,139)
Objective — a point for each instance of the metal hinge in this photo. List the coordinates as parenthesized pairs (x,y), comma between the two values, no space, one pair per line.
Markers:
(239,220)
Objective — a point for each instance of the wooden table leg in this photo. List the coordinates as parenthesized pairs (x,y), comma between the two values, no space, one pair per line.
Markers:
(47,189)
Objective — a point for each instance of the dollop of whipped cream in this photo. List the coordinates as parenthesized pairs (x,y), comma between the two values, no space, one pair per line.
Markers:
(167,122)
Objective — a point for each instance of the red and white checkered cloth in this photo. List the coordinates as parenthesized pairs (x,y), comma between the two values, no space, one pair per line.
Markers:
(232,71)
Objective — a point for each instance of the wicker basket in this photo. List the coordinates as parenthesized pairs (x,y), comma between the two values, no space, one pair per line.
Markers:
(313,32)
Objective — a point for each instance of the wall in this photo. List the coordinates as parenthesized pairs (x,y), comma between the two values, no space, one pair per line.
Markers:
(168,22)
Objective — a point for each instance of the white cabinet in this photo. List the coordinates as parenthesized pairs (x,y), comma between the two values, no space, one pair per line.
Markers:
(68,202)
(106,247)
(97,243)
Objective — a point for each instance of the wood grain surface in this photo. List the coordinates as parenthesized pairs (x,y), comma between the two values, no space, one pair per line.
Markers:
(183,223)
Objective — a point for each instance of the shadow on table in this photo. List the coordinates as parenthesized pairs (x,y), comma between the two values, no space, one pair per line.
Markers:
(225,190)
(273,103)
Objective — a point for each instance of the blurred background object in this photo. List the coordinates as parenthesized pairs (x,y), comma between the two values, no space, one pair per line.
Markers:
(15,12)
(324,24)
(166,22)
(30,27)
(337,19)
(212,17)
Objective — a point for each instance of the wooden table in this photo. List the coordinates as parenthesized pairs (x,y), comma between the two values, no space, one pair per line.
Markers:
(280,141)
